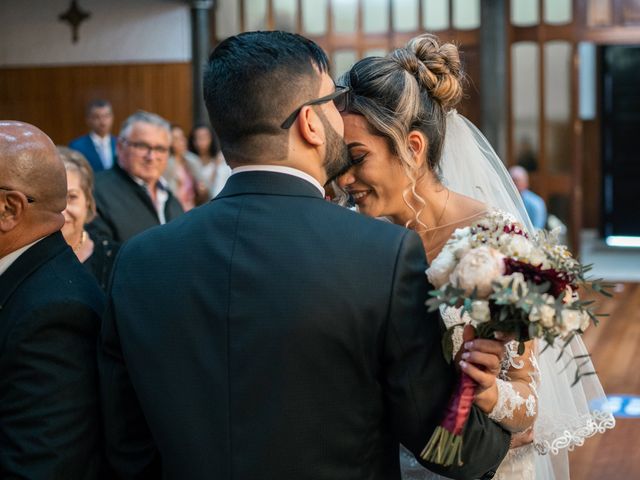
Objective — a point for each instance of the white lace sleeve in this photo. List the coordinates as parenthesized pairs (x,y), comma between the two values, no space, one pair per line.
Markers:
(516,407)
(451,318)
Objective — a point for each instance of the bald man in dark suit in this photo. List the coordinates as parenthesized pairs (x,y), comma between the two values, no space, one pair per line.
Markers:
(50,309)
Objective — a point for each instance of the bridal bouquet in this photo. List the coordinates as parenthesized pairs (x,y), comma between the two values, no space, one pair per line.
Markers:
(506,281)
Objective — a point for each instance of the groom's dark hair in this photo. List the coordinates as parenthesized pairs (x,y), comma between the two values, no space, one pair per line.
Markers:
(252,83)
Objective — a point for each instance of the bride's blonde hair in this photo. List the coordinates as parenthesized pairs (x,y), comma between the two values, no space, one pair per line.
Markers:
(412,88)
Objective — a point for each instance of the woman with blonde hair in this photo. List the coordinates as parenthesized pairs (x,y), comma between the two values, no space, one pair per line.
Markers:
(96,254)
(420,164)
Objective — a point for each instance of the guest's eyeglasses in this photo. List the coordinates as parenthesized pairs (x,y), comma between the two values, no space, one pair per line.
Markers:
(144,148)
(29,198)
(339,98)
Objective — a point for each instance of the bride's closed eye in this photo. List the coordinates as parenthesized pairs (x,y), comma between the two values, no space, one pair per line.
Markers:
(358,159)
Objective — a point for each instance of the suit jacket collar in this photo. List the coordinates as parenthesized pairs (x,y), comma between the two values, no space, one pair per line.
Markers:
(140,191)
(268,183)
(29,262)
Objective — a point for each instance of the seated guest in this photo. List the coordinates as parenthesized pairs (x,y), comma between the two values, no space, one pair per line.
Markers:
(98,146)
(534,204)
(204,142)
(133,196)
(50,424)
(97,254)
(184,172)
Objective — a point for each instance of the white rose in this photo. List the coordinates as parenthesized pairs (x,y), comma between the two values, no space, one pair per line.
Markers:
(585,322)
(480,311)
(503,239)
(537,257)
(518,247)
(461,247)
(440,269)
(545,314)
(460,233)
(571,320)
(478,268)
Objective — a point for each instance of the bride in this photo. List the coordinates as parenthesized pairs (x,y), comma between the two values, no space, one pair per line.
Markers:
(418,163)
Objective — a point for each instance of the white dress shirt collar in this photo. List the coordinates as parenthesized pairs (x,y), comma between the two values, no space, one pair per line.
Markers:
(9,259)
(103,147)
(162,195)
(281,169)
(106,140)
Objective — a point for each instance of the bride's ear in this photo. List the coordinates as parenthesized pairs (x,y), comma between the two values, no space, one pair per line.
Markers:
(418,143)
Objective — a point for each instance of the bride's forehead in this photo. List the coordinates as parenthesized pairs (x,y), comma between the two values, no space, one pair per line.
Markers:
(355,124)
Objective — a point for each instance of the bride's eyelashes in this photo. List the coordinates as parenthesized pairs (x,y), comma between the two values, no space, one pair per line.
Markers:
(357,159)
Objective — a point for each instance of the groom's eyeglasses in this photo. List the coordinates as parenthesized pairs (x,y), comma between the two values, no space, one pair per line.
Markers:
(339,98)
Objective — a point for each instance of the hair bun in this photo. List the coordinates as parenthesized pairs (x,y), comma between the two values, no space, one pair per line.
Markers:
(436,67)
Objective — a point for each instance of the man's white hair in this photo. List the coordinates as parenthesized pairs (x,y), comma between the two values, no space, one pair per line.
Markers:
(143,117)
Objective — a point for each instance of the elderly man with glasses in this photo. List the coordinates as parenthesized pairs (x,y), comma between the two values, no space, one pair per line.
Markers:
(133,196)
(50,309)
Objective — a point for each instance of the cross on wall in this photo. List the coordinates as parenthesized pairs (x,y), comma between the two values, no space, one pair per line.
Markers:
(74,16)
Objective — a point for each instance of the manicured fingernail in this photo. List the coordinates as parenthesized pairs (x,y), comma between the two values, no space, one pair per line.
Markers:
(463,364)
(468,345)
(465,355)
(498,335)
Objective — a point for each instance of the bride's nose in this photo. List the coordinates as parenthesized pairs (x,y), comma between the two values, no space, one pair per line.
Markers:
(347,178)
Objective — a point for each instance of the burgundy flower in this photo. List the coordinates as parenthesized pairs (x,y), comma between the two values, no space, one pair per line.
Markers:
(558,280)
(514,229)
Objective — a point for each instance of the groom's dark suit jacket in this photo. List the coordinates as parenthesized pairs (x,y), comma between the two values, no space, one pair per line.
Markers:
(272,335)
(50,309)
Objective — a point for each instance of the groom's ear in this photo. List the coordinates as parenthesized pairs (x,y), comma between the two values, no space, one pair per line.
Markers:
(418,143)
(310,126)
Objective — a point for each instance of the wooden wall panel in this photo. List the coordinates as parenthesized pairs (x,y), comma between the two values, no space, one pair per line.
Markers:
(54,98)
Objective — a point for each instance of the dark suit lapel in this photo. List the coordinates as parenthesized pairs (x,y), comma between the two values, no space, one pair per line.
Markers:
(268,183)
(29,262)
(139,191)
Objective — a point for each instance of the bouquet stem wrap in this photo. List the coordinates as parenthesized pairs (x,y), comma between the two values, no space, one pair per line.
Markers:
(445,445)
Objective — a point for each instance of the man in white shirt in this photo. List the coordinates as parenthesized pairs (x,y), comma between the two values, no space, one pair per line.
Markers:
(50,308)
(98,146)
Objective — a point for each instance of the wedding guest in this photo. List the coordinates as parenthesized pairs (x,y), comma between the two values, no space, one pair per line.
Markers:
(96,254)
(534,204)
(204,142)
(49,320)
(98,146)
(133,196)
(184,172)
(230,355)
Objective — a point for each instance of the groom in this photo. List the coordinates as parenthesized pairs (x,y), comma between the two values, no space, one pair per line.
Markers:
(270,334)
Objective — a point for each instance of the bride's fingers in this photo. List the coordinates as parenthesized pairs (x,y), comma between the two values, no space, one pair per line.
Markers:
(490,362)
(482,378)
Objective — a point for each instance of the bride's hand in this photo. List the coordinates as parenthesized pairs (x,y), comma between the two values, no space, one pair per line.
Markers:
(481,360)
(522,438)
